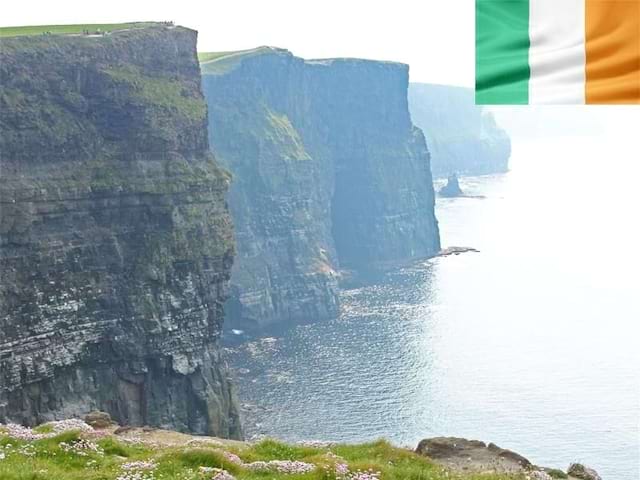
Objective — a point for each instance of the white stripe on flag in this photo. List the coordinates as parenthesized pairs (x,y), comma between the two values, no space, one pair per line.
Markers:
(557,53)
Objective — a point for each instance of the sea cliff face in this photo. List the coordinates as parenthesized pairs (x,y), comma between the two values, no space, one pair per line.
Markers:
(462,137)
(329,174)
(116,242)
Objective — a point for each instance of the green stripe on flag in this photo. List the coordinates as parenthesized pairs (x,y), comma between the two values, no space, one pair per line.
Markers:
(502,52)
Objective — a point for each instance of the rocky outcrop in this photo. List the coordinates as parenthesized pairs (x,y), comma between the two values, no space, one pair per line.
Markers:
(116,243)
(462,137)
(578,470)
(452,188)
(462,455)
(329,174)
(453,451)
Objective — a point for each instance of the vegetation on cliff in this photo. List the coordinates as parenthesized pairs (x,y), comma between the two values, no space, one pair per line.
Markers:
(75,29)
(329,174)
(72,450)
(116,241)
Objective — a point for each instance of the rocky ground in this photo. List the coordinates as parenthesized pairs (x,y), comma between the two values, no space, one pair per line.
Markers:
(462,455)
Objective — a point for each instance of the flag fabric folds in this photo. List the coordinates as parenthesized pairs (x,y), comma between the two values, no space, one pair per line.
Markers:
(557,52)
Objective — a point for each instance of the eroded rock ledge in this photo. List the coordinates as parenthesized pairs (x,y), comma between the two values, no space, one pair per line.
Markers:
(462,455)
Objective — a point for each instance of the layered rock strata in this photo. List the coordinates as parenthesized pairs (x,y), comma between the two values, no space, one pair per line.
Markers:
(116,242)
(329,174)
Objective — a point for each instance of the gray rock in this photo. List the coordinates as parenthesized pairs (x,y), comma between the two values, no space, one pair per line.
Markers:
(98,419)
(329,174)
(463,454)
(447,447)
(116,242)
(452,188)
(578,470)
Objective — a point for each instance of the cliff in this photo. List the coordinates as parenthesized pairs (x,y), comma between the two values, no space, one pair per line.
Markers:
(462,137)
(329,174)
(116,243)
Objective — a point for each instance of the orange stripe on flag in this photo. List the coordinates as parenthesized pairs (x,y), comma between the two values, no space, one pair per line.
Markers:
(612,51)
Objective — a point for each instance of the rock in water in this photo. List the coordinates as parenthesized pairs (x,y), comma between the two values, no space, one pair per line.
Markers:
(116,241)
(452,188)
(329,174)
(578,470)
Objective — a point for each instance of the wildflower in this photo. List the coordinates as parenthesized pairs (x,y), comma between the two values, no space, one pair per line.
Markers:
(140,470)
(70,425)
(218,473)
(282,466)
(27,450)
(27,434)
(363,475)
(81,448)
(342,469)
(139,465)
(232,457)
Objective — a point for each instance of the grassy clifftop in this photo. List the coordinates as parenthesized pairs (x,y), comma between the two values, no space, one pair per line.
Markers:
(72,450)
(71,29)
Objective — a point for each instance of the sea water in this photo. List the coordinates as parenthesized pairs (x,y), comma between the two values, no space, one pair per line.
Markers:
(532,343)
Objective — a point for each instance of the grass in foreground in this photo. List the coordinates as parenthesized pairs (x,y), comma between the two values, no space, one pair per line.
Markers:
(97,455)
(70,29)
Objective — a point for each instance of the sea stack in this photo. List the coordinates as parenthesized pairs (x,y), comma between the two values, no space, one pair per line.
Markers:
(452,188)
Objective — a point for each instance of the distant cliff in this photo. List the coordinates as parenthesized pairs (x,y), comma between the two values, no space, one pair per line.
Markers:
(116,243)
(329,174)
(462,137)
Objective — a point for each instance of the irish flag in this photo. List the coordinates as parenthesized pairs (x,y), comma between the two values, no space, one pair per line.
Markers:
(557,51)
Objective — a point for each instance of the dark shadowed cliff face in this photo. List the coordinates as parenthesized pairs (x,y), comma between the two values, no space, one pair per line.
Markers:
(462,137)
(116,243)
(329,173)
(382,206)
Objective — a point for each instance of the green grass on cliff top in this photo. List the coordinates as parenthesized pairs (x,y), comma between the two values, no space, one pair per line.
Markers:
(70,29)
(209,56)
(204,57)
(218,63)
(66,457)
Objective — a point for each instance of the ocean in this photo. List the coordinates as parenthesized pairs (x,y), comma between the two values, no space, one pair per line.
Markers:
(532,343)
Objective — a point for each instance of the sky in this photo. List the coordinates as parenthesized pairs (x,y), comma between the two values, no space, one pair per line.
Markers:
(435,37)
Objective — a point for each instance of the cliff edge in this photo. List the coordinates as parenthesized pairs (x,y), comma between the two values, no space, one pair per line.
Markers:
(116,243)
(329,174)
